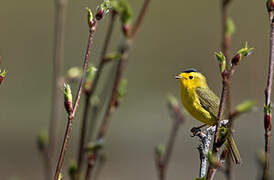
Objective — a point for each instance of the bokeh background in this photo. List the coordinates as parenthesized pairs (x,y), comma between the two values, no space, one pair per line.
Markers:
(174,36)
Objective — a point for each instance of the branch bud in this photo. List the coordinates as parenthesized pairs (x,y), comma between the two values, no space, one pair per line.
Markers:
(112,56)
(72,169)
(159,151)
(212,158)
(268,117)
(246,51)
(60,177)
(91,20)
(103,9)
(122,90)
(222,61)
(95,146)
(270,5)
(68,98)
(91,72)
(42,140)
(222,136)
(123,8)
(2,76)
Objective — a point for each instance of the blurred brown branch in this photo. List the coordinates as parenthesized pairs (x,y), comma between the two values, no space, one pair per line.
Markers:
(163,153)
(58,64)
(89,93)
(112,104)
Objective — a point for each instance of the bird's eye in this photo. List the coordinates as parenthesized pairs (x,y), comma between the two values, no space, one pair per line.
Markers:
(190,77)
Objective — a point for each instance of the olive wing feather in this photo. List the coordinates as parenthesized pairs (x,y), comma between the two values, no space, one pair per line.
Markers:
(208,100)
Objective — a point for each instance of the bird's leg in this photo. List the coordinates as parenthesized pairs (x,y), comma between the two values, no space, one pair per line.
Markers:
(196,130)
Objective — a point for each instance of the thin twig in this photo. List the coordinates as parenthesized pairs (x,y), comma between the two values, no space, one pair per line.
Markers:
(90,93)
(267,111)
(76,103)
(227,77)
(124,50)
(58,61)
(178,119)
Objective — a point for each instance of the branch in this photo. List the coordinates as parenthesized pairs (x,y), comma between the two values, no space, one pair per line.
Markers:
(163,154)
(71,112)
(124,51)
(205,138)
(90,93)
(58,63)
(268,108)
(227,78)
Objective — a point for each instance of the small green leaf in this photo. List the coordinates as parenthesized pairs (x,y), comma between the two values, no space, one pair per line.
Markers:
(222,61)
(112,56)
(160,150)
(246,51)
(67,92)
(122,7)
(90,17)
(72,169)
(42,140)
(74,73)
(3,73)
(245,106)
(91,72)
(212,158)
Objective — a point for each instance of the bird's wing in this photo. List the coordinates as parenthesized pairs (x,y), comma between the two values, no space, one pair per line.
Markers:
(208,100)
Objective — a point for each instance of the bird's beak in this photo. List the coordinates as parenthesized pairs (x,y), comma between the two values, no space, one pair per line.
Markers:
(178,77)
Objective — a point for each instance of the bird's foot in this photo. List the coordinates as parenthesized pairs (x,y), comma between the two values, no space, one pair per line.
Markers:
(196,130)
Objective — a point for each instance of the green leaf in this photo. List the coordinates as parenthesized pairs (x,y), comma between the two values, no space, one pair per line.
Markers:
(123,8)
(67,93)
(42,139)
(222,61)
(90,16)
(160,150)
(245,106)
(246,50)
(72,169)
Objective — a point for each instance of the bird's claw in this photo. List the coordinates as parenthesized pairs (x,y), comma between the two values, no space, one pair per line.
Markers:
(195,131)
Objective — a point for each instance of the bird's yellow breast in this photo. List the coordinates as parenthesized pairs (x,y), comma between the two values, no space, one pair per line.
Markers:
(191,102)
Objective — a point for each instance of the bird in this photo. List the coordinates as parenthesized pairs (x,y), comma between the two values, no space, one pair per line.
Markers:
(202,103)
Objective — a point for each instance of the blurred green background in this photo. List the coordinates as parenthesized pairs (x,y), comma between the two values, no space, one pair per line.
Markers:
(174,36)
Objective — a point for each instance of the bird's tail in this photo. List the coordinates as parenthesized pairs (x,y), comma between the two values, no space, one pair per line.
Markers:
(235,154)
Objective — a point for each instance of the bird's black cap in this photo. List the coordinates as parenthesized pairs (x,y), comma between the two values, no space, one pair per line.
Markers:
(190,70)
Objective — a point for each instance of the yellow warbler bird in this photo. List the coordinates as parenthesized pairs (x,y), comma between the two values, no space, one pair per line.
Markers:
(202,103)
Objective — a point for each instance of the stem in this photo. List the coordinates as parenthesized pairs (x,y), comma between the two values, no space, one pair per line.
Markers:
(227,77)
(267,112)
(162,163)
(76,103)
(118,76)
(89,95)
(58,58)
(226,43)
